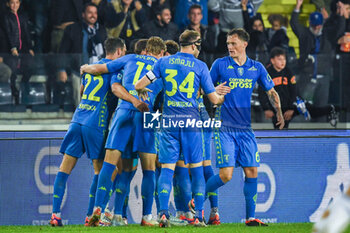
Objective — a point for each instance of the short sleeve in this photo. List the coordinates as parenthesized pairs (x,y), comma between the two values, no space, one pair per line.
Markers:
(117,78)
(156,68)
(264,79)
(206,81)
(214,72)
(118,64)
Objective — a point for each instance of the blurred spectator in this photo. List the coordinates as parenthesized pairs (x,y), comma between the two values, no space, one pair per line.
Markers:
(19,44)
(130,16)
(208,39)
(63,13)
(316,54)
(162,26)
(152,6)
(284,81)
(171,47)
(83,38)
(323,6)
(230,16)
(339,21)
(277,34)
(41,14)
(183,7)
(258,45)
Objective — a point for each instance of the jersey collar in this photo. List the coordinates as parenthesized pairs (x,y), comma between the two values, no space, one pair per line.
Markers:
(247,62)
(185,54)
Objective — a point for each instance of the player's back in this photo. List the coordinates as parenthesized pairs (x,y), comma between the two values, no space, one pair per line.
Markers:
(135,66)
(182,76)
(97,102)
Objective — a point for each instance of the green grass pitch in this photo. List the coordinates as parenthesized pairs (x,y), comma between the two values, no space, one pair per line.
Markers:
(223,228)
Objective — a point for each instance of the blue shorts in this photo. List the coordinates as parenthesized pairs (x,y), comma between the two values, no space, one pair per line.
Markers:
(127,134)
(236,147)
(174,142)
(80,139)
(207,135)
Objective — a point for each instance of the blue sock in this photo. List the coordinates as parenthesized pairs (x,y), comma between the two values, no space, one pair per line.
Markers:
(110,193)
(213,184)
(147,191)
(92,195)
(251,193)
(126,201)
(58,191)
(156,192)
(176,192)
(184,183)
(104,183)
(121,191)
(213,196)
(198,190)
(125,206)
(164,189)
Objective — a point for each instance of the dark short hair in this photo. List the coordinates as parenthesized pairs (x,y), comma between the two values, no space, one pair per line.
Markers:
(171,47)
(112,44)
(159,10)
(188,37)
(195,6)
(277,51)
(140,45)
(240,32)
(87,5)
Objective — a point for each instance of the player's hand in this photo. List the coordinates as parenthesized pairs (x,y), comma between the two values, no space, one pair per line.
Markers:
(82,69)
(141,106)
(143,94)
(221,89)
(31,52)
(280,120)
(269,114)
(288,115)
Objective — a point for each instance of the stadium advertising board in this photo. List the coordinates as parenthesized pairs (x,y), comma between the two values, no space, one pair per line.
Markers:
(299,175)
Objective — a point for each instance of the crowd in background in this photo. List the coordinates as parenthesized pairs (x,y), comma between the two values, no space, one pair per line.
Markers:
(76,29)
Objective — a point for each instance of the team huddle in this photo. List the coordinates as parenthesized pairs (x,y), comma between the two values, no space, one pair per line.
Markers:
(153,80)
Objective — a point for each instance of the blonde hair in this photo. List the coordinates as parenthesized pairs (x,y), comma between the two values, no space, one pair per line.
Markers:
(188,37)
(155,45)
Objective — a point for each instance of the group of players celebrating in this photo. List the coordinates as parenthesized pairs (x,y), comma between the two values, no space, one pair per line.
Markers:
(182,153)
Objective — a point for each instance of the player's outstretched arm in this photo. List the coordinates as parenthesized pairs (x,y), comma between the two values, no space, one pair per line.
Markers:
(95,69)
(215,98)
(276,103)
(221,89)
(120,91)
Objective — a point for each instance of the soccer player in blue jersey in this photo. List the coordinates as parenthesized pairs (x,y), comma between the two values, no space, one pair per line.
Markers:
(182,75)
(126,131)
(88,129)
(235,141)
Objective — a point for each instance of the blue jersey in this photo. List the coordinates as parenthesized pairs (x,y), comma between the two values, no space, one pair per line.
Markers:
(182,75)
(235,111)
(135,66)
(97,102)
